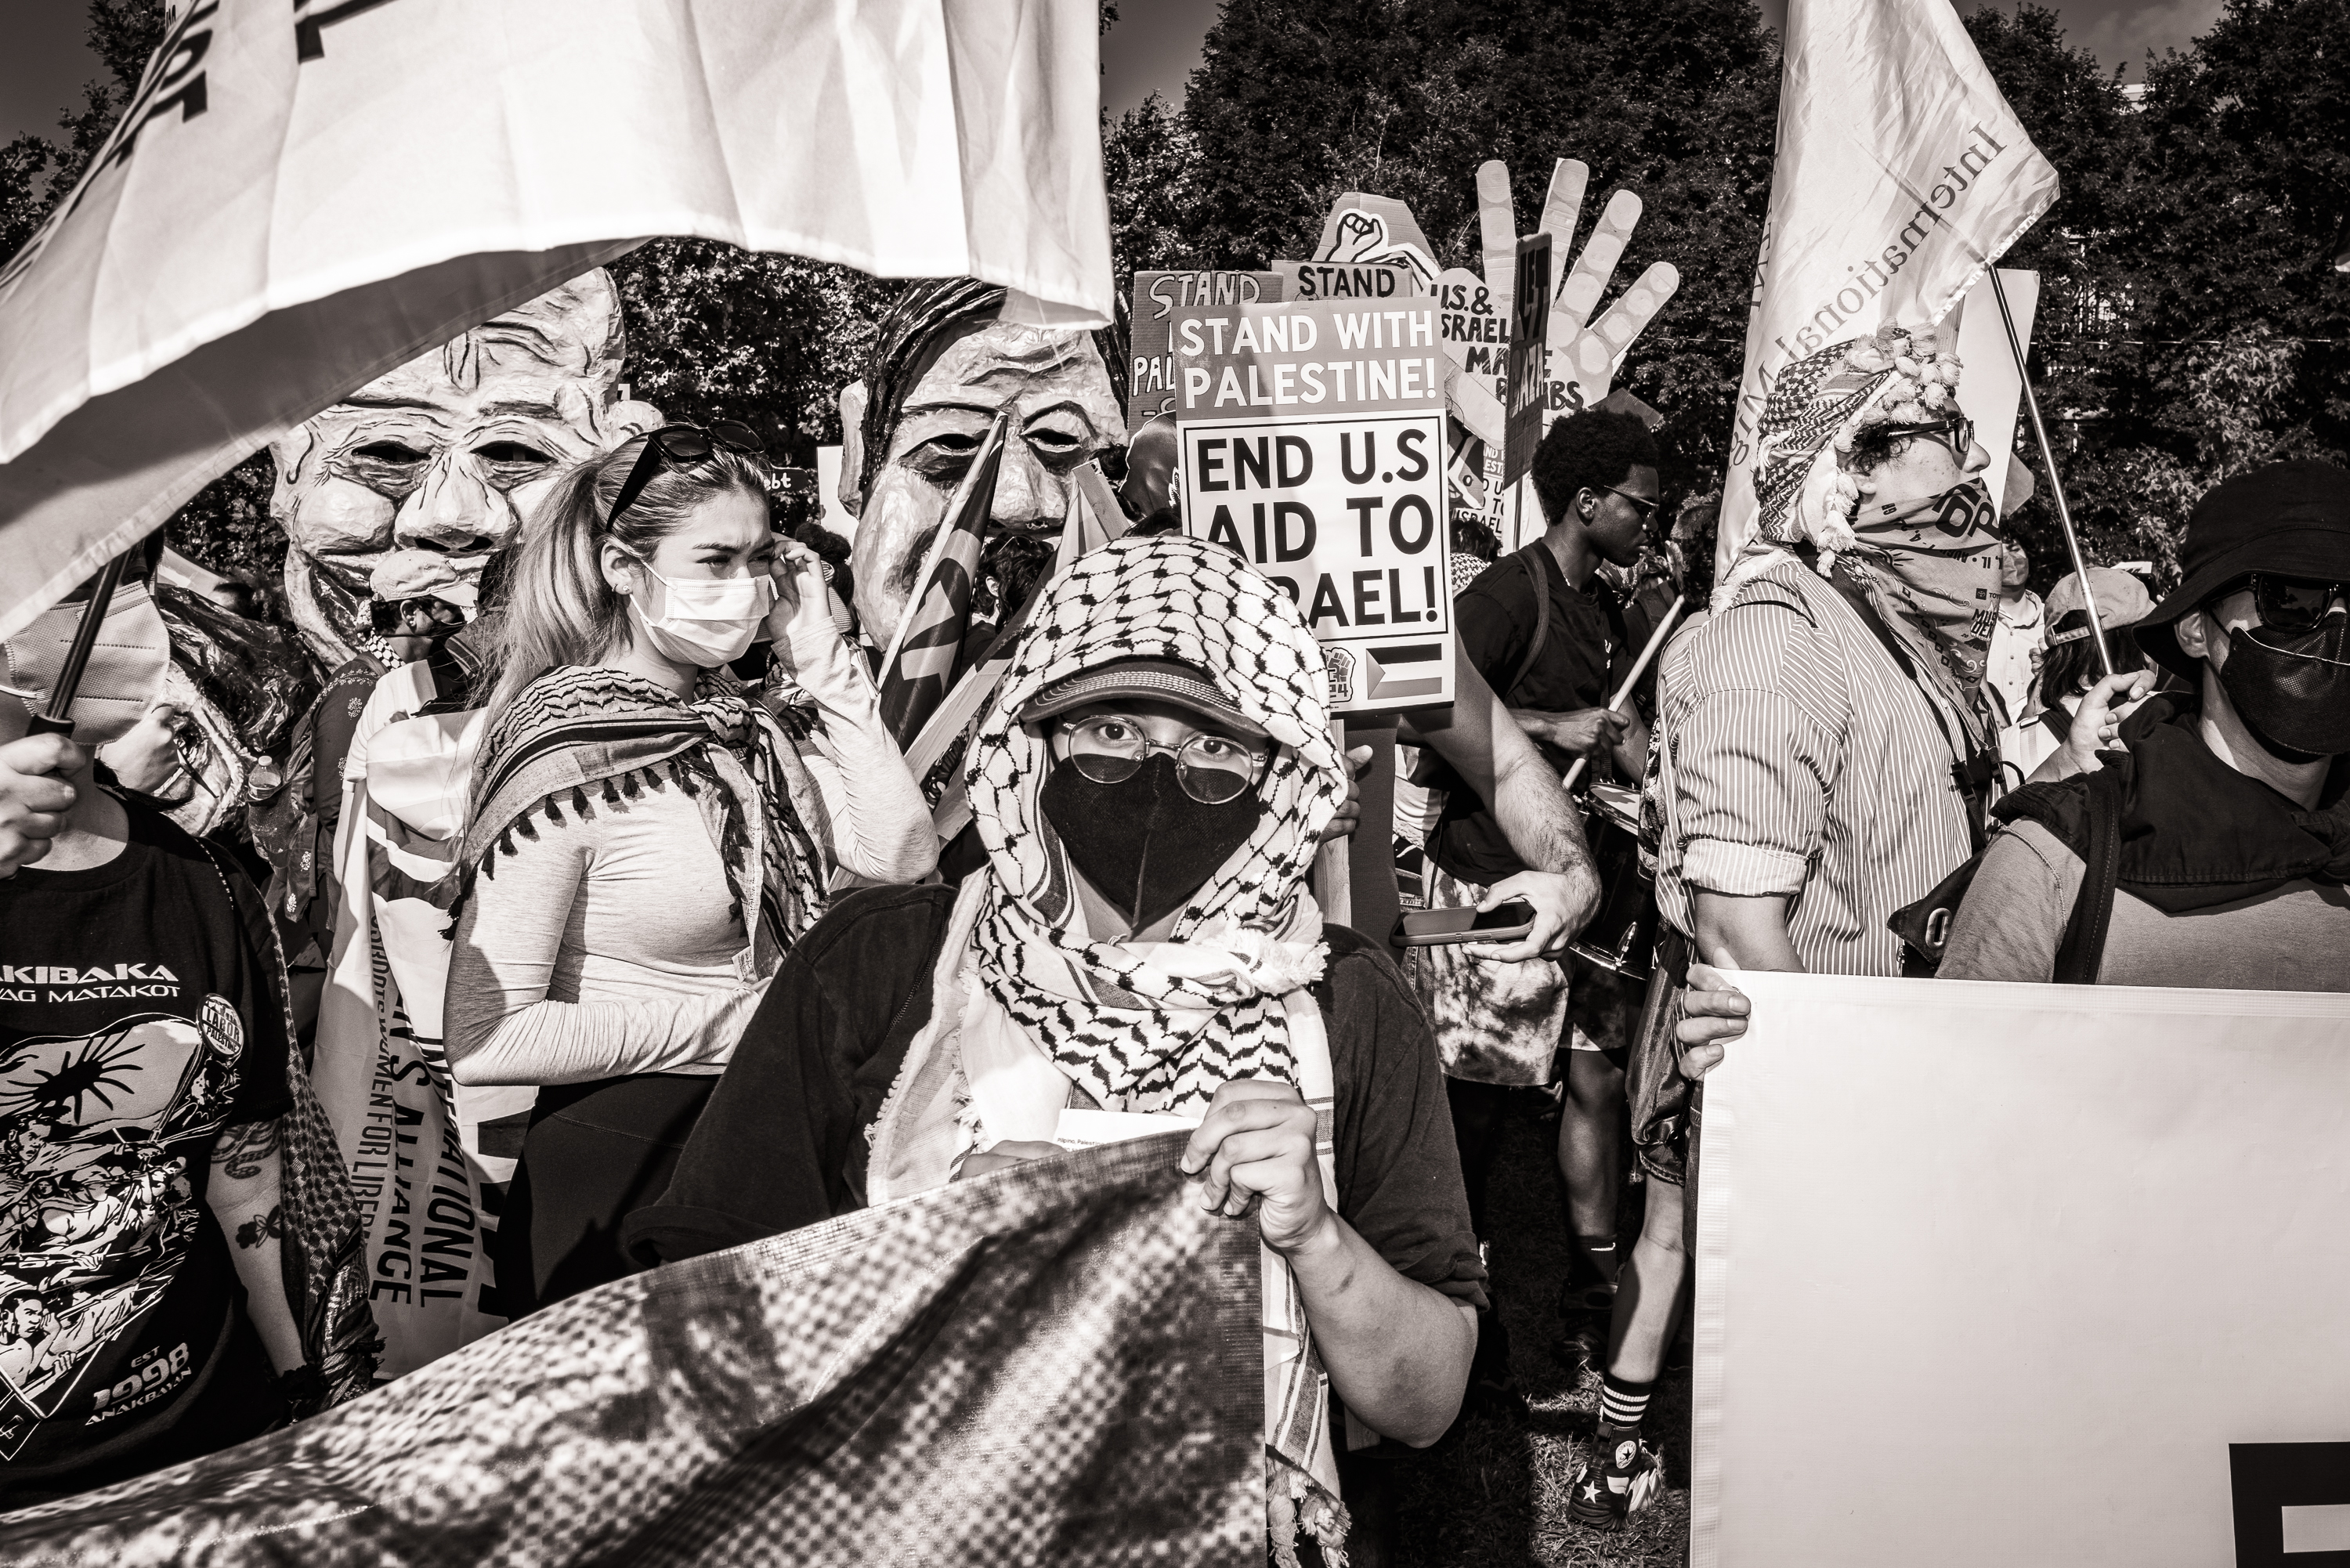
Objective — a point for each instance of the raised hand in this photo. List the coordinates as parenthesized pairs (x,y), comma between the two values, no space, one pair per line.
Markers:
(1584,353)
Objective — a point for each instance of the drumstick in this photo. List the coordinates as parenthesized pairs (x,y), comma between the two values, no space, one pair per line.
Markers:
(1640,668)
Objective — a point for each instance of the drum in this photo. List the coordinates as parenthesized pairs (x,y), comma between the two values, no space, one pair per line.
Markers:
(1622,935)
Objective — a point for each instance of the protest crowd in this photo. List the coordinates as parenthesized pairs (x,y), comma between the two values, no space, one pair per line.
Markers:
(559,882)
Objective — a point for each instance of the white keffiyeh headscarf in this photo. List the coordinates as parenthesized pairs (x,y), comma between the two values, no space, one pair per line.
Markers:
(1160,1026)
(1027,1003)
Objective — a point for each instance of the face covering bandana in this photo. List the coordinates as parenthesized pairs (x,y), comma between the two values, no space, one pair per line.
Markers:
(1144,843)
(706,623)
(125,670)
(2292,690)
(1934,562)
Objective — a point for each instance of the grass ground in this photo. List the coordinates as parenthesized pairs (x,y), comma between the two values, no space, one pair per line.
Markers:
(1493,1493)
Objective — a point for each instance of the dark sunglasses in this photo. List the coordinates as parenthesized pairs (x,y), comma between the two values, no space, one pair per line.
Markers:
(1648,508)
(682,446)
(2294,604)
(1958,433)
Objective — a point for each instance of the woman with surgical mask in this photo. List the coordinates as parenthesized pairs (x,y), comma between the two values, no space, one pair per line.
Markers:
(647,836)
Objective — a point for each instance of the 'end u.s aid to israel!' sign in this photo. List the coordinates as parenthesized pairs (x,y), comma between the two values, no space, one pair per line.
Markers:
(1313,444)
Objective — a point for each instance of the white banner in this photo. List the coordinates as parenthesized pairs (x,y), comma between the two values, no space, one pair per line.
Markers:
(2023,1274)
(1902,175)
(304,194)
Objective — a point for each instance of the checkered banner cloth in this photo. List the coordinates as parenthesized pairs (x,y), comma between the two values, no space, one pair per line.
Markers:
(1060,1363)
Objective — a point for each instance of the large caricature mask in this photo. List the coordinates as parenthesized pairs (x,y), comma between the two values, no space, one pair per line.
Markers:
(449,452)
(948,364)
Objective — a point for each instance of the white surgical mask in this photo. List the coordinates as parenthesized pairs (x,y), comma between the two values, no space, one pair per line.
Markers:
(122,679)
(706,623)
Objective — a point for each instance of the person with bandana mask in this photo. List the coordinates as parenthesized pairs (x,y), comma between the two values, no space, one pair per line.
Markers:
(156,1156)
(1150,784)
(1824,761)
(647,838)
(2234,836)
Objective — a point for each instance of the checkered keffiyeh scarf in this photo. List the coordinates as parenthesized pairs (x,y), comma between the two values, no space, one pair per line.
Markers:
(1107,1013)
(582,734)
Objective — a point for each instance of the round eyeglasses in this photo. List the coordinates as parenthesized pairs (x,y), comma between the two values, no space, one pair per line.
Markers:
(1110,748)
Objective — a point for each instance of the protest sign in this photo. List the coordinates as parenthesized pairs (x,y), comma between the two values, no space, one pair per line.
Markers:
(1957,1296)
(1525,380)
(302,196)
(1473,328)
(1157,296)
(1347,280)
(1313,444)
(1362,227)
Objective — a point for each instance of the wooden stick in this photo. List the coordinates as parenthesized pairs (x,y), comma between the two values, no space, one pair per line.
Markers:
(1334,884)
(1640,668)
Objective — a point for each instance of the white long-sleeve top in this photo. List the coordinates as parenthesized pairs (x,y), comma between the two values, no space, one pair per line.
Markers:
(604,946)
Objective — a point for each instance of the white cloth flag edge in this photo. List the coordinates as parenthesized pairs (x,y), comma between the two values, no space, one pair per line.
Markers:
(95,494)
(1800,110)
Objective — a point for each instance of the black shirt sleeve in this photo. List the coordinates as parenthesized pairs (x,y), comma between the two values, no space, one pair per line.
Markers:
(780,1143)
(1398,1172)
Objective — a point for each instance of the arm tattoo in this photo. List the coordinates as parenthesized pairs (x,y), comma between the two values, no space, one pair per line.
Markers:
(241,1148)
(269,1227)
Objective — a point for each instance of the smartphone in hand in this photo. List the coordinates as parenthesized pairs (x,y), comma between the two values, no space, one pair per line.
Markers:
(1435,928)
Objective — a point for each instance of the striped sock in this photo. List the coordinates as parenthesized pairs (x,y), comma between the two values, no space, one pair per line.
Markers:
(1622,1404)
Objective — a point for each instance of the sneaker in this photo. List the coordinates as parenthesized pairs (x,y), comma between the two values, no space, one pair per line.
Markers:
(1623,1480)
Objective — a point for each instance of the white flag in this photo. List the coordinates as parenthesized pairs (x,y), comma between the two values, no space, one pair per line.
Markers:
(305,194)
(1902,175)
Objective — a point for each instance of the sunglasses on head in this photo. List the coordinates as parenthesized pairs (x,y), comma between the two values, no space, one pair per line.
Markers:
(680,446)
(2294,604)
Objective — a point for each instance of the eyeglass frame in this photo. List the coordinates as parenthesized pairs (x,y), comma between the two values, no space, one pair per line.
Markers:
(1647,508)
(1261,760)
(657,456)
(1958,426)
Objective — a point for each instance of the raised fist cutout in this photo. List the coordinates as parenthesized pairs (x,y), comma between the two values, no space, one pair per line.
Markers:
(1362,237)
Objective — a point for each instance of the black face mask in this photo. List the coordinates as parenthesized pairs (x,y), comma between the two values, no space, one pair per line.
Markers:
(1143,844)
(2293,690)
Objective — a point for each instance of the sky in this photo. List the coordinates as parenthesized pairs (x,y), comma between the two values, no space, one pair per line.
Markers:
(1153,47)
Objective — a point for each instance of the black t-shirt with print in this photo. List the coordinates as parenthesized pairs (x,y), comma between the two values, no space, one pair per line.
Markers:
(136,1022)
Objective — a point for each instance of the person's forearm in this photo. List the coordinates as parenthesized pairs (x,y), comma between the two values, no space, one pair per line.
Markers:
(245,1196)
(1536,816)
(1397,1352)
(582,1042)
(881,826)
(1750,932)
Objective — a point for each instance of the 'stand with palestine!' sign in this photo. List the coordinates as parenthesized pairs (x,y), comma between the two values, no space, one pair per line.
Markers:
(1312,443)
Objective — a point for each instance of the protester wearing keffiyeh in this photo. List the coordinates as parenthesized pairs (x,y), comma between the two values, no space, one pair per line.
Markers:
(915,1036)
(1929,566)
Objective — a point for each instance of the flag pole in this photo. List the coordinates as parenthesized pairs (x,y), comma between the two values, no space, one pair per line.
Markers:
(58,719)
(2055,480)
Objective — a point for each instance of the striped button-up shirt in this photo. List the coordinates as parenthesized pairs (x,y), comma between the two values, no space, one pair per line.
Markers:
(1797,759)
